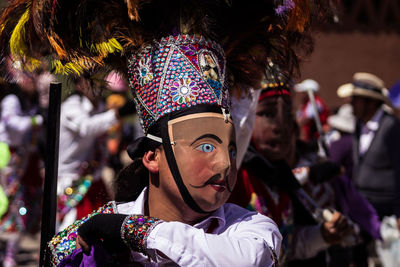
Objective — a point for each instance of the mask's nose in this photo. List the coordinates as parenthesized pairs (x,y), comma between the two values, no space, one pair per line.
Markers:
(222,163)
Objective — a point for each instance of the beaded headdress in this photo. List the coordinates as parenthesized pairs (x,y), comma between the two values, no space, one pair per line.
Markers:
(175,73)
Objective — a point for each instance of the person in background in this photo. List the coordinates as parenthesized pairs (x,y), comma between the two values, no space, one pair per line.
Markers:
(345,196)
(376,152)
(118,133)
(20,176)
(84,122)
(264,188)
(342,127)
(305,113)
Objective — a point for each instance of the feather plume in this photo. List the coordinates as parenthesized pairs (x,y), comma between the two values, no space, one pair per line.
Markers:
(133,6)
(18,47)
(86,35)
(299,16)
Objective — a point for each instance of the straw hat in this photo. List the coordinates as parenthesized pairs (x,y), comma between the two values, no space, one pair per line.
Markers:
(306,85)
(366,85)
(343,120)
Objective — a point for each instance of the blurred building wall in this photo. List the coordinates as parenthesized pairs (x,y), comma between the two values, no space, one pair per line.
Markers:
(366,38)
(338,55)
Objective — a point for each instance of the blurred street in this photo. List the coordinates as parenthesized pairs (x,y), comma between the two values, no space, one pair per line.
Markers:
(28,254)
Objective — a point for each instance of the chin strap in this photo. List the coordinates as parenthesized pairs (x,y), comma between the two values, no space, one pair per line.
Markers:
(175,170)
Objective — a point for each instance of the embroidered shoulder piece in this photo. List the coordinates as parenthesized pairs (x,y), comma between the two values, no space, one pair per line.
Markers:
(62,244)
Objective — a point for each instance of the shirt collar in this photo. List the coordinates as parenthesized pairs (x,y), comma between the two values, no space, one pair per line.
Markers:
(218,215)
(134,207)
(373,123)
(137,207)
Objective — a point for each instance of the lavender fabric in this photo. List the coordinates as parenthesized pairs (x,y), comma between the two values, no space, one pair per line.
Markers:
(351,203)
(97,257)
(341,152)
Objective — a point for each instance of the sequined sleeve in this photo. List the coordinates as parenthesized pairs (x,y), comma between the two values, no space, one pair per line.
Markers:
(62,244)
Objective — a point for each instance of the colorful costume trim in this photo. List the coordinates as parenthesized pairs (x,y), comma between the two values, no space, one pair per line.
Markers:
(135,229)
(64,242)
(74,194)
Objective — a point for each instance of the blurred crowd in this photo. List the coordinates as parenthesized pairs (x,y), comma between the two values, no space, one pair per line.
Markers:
(328,176)
(97,122)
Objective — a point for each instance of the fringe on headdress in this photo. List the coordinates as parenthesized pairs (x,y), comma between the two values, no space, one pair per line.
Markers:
(86,35)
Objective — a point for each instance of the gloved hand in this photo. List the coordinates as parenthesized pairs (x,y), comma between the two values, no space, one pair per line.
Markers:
(324,171)
(117,231)
(106,227)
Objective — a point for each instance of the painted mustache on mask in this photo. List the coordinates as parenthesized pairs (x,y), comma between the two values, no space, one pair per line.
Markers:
(215,179)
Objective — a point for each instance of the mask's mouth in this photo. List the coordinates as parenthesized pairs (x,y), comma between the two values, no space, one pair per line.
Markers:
(217,182)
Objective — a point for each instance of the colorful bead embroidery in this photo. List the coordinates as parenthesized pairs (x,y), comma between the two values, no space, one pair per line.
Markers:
(64,242)
(135,229)
(189,50)
(184,90)
(144,71)
(159,77)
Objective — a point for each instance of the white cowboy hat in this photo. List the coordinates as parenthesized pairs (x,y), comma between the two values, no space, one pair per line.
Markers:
(306,85)
(343,120)
(366,85)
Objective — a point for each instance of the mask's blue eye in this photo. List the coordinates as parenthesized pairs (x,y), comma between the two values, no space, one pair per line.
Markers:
(206,148)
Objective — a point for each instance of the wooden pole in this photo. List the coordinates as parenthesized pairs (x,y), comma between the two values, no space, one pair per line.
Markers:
(49,205)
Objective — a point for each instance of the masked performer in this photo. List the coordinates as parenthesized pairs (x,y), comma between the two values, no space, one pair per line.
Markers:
(170,203)
(188,169)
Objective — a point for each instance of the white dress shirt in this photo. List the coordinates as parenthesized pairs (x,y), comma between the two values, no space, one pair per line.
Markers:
(242,238)
(14,123)
(368,131)
(80,125)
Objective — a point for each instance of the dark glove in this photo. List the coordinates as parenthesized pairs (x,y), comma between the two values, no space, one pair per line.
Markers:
(106,227)
(127,109)
(324,171)
(118,231)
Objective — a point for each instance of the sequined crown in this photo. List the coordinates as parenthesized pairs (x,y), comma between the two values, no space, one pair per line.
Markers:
(176,73)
